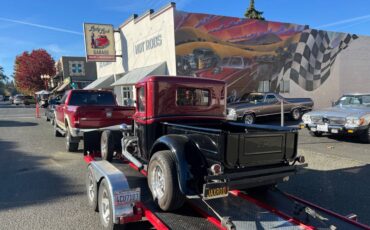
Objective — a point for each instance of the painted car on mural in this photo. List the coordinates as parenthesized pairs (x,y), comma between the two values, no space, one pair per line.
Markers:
(256,105)
(200,58)
(101,42)
(237,71)
(349,115)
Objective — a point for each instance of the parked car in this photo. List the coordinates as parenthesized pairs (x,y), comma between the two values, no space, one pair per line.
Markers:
(28,100)
(1,97)
(80,111)
(18,99)
(255,105)
(200,58)
(349,115)
(49,110)
(6,98)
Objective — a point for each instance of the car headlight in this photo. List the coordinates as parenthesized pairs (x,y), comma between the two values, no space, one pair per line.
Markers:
(231,112)
(306,119)
(354,121)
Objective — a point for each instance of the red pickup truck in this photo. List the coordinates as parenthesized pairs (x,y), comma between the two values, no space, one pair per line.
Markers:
(82,111)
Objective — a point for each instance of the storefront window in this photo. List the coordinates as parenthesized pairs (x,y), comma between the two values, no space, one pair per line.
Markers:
(127,96)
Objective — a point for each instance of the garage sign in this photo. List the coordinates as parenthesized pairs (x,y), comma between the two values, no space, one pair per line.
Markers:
(99,42)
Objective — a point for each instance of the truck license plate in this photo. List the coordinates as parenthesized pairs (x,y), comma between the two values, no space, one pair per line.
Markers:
(215,190)
(122,198)
(322,128)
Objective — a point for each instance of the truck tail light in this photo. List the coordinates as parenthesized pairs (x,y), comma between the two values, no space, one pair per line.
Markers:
(75,120)
(216,169)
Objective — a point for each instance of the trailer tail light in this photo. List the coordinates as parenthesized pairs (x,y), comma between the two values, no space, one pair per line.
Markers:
(216,169)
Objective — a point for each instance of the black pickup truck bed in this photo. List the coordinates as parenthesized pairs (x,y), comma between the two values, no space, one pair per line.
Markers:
(239,145)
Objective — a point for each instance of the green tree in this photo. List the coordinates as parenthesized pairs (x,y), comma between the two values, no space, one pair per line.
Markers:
(252,13)
(3,77)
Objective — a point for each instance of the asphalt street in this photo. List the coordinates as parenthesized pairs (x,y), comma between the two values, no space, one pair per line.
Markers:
(43,186)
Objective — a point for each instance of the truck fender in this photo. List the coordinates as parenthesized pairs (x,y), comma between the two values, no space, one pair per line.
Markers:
(177,144)
(117,182)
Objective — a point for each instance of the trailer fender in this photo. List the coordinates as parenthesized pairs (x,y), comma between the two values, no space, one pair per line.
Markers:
(178,145)
(117,182)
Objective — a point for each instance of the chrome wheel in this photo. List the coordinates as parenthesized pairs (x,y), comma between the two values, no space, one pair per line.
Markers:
(91,186)
(104,207)
(248,119)
(158,183)
(296,113)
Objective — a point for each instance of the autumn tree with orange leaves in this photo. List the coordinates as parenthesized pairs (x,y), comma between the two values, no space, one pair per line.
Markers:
(29,67)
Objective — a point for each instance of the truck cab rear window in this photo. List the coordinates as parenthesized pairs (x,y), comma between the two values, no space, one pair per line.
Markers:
(92,98)
(192,97)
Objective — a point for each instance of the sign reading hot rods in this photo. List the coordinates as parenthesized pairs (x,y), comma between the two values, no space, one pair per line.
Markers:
(99,42)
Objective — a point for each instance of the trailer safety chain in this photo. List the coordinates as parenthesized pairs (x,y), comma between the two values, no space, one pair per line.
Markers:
(225,221)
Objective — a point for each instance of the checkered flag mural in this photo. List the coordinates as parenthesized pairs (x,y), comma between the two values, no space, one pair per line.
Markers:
(314,55)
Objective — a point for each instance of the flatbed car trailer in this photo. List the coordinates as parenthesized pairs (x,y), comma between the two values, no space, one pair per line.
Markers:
(270,209)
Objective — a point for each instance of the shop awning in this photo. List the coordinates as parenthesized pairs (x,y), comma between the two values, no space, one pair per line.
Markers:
(101,83)
(136,75)
(63,87)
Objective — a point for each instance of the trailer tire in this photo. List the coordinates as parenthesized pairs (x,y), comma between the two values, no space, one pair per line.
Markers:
(107,145)
(71,145)
(106,207)
(163,181)
(92,189)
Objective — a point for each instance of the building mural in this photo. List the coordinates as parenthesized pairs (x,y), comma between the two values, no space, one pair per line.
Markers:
(252,55)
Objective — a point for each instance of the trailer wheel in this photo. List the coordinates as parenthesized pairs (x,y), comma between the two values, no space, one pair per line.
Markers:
(106,207)
(92,189)
(163,181)
(56,132)
(107,145)
(71,144)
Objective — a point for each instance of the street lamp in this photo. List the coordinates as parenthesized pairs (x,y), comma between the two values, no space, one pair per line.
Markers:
(46,78)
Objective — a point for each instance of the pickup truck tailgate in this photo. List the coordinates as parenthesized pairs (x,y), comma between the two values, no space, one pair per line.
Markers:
(260,148)
(102,116)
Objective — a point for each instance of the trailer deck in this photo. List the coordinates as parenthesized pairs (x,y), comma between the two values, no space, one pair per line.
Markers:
(271,209)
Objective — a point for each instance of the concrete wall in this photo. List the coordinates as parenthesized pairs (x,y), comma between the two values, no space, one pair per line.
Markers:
(149,39)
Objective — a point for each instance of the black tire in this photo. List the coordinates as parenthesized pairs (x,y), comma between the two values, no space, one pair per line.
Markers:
(107,145)
(92,189)
(170,197)
(71,142)
(55,130)
(106,208)
(296,114)
(249,118)
(316,134)
(365,135)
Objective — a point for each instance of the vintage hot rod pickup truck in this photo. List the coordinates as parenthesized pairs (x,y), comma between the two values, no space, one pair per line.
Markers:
(181,137)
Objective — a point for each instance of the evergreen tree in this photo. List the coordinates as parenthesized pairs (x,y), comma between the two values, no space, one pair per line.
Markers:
(252,13)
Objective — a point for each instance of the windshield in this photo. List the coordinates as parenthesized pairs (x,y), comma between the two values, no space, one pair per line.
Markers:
(360,100)
(92,98)
(254,98)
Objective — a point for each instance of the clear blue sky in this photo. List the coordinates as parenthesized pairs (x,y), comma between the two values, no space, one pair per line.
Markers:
(57,25)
